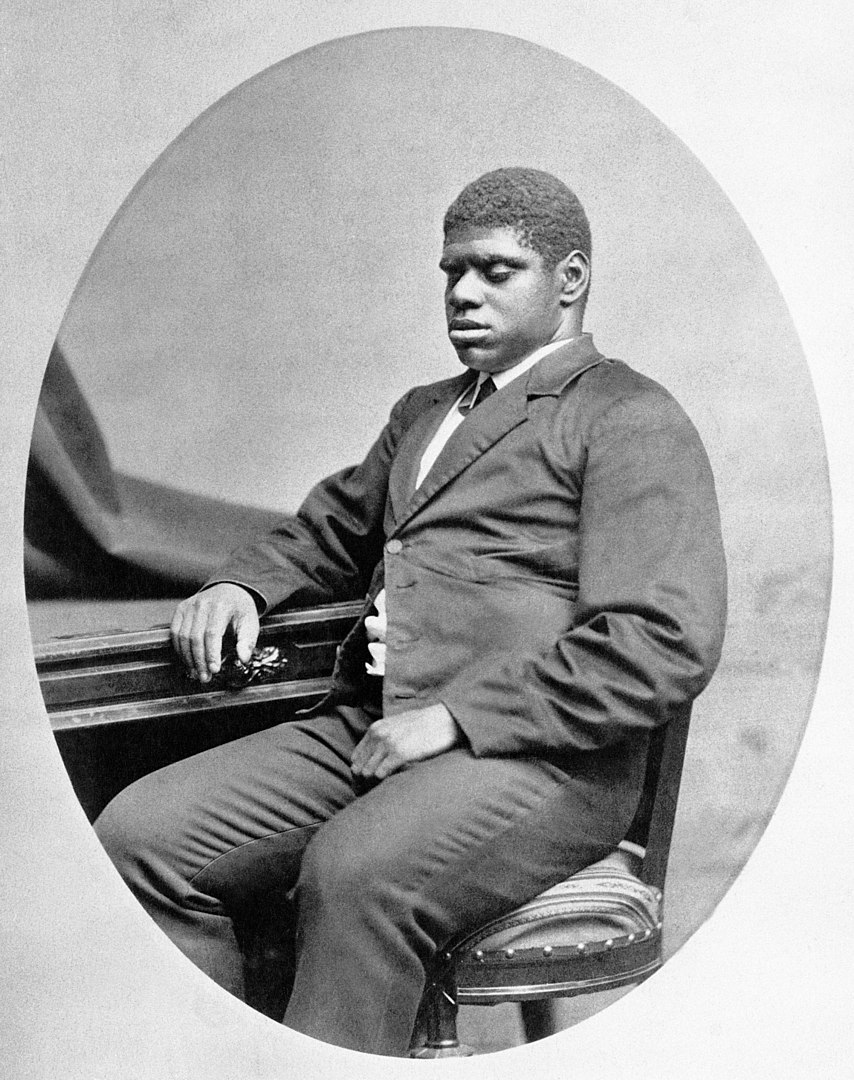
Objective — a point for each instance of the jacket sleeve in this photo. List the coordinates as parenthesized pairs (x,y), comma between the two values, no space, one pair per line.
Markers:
(648,625)
(329,550)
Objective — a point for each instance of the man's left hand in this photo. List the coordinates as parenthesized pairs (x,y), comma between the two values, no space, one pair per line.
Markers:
(394,741)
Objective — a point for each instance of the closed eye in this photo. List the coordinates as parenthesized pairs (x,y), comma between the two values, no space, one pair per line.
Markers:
(497,273)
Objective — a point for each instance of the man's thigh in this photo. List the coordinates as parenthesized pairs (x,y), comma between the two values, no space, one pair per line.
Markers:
(226,828)
(463,838)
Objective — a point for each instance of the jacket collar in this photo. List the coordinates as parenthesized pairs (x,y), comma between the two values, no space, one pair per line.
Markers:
(551,375)
(484,427)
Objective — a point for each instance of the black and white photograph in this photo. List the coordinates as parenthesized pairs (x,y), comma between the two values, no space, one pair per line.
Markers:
(425,556)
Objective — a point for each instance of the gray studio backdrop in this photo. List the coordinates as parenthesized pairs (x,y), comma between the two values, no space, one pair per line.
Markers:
(271,287)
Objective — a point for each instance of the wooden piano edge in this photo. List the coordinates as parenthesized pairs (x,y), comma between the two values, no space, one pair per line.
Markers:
(117,677)
(157,708)
(105,644)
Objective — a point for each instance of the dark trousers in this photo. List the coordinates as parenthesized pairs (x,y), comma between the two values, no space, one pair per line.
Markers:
(380,876)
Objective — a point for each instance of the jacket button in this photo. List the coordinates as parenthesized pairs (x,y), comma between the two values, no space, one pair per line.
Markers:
(394,547)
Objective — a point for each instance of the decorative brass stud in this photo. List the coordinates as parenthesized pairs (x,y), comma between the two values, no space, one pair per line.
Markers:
(659,925)
(647,933)
(581,946)
(547,950)
(631,938)
(509,953)
(609,944)
(479,955)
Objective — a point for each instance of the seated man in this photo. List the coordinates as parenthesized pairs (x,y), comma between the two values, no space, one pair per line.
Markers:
(539,547)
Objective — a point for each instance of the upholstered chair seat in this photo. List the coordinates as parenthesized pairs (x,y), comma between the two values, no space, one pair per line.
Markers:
(600,910)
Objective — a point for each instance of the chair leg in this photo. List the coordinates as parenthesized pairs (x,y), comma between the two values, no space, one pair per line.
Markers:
(538,1019)
(438,1016)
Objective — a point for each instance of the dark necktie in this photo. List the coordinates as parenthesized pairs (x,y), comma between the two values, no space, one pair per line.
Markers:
(475,395)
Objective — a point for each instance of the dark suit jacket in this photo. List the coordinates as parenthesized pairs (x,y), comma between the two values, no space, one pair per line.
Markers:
(557,581)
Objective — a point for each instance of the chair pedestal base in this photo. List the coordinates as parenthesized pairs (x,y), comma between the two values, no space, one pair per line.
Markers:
(446,1050)
(437,1018)
(538,1019)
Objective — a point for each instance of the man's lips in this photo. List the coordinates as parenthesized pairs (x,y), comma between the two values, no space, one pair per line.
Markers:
(466,331)
(465,324)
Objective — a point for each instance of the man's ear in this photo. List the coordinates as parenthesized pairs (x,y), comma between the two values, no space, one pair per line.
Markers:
(574,275)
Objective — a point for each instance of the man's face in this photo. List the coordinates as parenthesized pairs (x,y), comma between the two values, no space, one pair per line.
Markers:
(501,302)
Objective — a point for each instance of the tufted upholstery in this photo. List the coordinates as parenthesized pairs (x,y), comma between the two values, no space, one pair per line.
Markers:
(604,902)
(601,925)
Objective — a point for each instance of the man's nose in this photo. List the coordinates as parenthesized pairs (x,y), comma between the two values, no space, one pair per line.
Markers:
(466,291)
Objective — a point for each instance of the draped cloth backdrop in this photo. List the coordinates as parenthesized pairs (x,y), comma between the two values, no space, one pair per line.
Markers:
(92,531)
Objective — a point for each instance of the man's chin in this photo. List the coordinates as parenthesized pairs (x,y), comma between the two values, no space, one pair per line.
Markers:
(475,358)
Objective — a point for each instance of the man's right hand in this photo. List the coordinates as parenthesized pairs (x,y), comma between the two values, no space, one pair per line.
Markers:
(201,621)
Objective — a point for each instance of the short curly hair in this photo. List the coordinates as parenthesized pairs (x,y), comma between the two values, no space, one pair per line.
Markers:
(542,210)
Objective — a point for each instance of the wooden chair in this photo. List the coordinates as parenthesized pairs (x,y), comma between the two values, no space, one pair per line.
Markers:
(598,930)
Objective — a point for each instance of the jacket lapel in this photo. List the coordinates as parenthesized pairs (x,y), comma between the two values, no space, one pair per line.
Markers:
(407,461)
(482,429)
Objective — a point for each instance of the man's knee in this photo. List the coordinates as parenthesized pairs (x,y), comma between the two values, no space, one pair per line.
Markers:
(127,827)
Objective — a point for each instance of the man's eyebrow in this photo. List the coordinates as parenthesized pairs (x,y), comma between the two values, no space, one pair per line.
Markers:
(447,263)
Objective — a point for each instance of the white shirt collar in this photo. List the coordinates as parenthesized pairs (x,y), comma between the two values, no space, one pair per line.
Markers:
(502,378)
